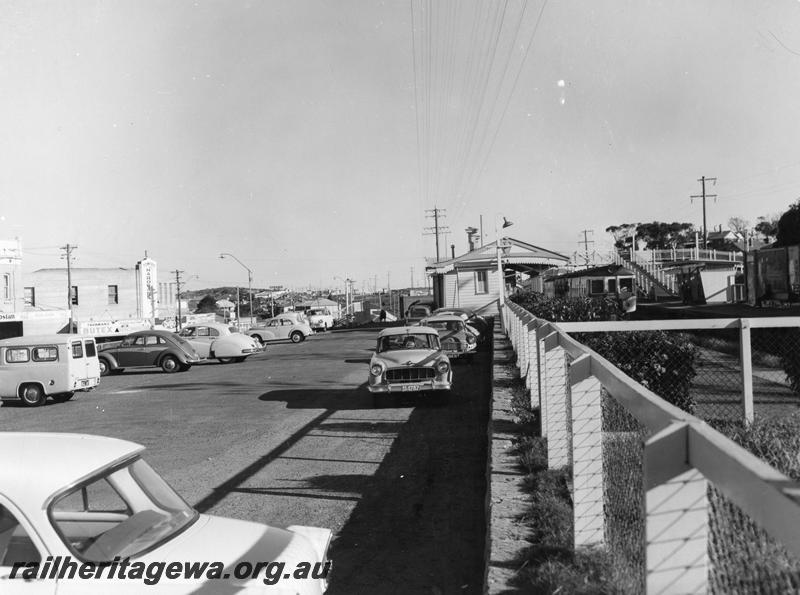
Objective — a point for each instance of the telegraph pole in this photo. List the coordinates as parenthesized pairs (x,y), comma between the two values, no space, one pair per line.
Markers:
(178,295)
(68,255)
(436,229)
(586,241)
(704,196)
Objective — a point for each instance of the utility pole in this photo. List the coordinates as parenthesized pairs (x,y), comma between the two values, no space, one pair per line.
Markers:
(412,277)
(704,196)
(436,229)
(68,255)
(586,241)
(178,296)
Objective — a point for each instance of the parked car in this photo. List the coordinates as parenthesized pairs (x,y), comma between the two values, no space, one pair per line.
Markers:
(35,367)
(92,501)
(215,340)
(416,312)
(457,340)
(477,323)
(409,359)
(319,319)
(280,327)
(149,348)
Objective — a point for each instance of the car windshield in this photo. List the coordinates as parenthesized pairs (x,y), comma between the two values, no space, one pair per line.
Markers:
(123,511)
(410,341)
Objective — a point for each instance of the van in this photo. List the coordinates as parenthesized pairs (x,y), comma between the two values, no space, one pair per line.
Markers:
(57,366)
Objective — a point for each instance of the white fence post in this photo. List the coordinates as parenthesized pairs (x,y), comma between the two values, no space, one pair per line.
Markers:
(541,334)
(587,454)
(532,378)
(676,508)
(556,394)
(746,360)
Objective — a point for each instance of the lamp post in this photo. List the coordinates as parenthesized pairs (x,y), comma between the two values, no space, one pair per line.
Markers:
(501,299)
(249,286)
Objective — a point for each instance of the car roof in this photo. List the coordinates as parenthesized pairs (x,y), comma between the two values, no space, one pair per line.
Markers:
(40,339)
(408,330)
(36,465)
(217,325)
(444,318)
(156,331)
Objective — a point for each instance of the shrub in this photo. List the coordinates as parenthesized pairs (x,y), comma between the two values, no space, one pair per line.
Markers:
(569,310)
(661,362)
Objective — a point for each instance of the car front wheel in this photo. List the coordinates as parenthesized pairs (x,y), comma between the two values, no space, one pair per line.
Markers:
(105,369)
(33,395)
(170,364)
(296,337)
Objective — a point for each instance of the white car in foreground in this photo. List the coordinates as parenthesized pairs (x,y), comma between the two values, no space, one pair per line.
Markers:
(83,514)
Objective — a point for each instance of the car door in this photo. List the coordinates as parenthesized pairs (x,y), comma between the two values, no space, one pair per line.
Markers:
(19,543)
(281,331)
(132,352)
(154,346)
(201,340)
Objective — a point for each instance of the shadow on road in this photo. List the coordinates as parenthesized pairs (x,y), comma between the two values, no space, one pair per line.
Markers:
(418,525)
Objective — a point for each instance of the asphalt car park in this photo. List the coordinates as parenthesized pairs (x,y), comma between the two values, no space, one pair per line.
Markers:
(290,437)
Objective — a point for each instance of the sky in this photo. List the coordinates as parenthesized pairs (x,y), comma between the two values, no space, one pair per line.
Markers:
(312,139)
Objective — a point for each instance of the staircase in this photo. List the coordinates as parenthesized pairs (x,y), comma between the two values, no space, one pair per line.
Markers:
(650,277)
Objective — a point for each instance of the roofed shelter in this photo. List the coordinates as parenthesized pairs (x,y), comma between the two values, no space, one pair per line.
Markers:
(472,280)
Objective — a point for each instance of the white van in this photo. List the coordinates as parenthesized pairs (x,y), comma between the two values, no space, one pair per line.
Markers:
(40,366)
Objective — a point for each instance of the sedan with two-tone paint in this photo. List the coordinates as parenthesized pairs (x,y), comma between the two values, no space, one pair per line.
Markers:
(214,340)
(409,359)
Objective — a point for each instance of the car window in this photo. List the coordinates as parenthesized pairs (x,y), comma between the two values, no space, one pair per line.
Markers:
(212,332)
(77,349)
(189,331)
(16,355)
(139,341)
(287,322)
(202,331)
(15,544)
(411,341)
(91,349)
(152,340)
(274,323)
(50,353)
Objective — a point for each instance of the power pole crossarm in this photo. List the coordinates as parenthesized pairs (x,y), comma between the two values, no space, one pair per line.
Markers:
(704,196)
(437,229)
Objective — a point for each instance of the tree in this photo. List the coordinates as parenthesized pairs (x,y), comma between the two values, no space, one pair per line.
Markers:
(207,304)
(767,227)
(788,233)
(621,233)
(739,225)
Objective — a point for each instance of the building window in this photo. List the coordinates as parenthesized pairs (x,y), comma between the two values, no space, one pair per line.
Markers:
(596,286)
(30,296)
(113,294)
(6,286)
(481,282)
(626,283)
(73,295)
(612,286)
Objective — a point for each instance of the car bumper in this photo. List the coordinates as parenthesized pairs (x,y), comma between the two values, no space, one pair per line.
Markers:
(409,387)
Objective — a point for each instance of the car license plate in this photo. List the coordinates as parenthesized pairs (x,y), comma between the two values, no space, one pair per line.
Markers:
(410,388)
(84,383)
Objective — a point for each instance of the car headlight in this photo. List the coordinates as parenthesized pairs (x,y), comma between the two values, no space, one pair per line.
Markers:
(471,339)
(376,369)
(442,367)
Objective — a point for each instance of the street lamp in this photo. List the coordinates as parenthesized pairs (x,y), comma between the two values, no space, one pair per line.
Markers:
(249,286)
(501,299)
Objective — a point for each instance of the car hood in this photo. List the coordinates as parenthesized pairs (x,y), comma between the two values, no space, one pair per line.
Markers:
(409,357)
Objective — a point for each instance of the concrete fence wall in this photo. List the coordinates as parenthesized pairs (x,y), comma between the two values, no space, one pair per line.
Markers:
(681,455)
